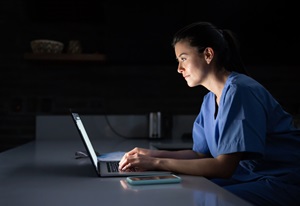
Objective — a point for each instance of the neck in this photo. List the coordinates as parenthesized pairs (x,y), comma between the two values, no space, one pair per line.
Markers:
(217,83)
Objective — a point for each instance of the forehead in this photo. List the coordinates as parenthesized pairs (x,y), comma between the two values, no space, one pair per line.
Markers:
(184,47)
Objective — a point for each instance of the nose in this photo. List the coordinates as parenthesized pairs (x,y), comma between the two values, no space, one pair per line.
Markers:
(179,68)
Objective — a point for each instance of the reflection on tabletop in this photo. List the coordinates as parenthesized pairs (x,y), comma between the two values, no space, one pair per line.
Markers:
(199,197)
(138,188)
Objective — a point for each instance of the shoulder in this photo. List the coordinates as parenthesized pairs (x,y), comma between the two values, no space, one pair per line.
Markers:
(243,89)
(242,84)
(242,80)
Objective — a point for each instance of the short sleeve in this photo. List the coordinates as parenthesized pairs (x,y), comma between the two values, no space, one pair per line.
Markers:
(199,136)
(241,122)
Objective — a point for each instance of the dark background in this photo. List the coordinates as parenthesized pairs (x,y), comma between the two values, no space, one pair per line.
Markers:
(140,74)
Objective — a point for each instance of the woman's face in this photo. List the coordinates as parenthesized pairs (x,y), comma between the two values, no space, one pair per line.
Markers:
(191,64)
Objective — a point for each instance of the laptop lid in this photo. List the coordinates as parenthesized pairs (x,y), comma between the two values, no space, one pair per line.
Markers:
(86,140)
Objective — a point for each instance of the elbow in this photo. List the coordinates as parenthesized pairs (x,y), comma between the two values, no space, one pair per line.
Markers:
(223,172)
(227,171)
(226,165)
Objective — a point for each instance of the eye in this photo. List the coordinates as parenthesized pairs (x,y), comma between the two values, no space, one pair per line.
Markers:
(182,59)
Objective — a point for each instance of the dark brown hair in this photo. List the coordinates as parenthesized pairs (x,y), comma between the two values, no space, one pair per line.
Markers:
(223,42)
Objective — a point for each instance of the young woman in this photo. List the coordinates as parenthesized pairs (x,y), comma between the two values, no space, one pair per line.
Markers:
(243,139)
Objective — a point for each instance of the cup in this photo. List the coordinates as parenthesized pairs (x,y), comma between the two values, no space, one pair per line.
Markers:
(155,125)
(74,47)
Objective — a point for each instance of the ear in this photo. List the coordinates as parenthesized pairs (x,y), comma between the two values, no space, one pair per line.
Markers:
(209,54)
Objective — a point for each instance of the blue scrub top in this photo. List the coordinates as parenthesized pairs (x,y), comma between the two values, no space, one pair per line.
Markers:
(249,120)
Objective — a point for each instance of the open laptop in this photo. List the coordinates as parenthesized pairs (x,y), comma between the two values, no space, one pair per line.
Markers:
(104,168)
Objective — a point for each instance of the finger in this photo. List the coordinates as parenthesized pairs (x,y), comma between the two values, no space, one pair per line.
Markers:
(124,158)
(126,167)
(123,163)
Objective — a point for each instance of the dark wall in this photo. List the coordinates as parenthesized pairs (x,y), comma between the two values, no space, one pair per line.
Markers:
(140,74)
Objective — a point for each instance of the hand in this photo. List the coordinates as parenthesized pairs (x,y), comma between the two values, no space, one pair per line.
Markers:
(138,159)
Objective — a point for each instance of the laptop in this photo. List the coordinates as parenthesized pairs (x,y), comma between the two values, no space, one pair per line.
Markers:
(105,168)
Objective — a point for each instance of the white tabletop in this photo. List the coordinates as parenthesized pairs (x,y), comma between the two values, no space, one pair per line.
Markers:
(45,172)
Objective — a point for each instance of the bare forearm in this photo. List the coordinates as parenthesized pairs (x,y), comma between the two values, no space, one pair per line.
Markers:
(221,167)
(190,167)
(180,154)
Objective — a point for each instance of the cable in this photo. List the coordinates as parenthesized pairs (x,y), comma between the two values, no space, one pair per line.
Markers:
(117,133)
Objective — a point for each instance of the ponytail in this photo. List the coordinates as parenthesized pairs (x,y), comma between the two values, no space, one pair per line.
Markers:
(234,61)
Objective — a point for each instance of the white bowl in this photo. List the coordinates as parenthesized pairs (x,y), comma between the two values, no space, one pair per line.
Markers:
(46,46)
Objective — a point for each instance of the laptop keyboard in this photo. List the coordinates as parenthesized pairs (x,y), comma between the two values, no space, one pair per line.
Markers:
(113,166)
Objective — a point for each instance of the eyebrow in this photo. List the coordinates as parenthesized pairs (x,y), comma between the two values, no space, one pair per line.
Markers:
(182,54)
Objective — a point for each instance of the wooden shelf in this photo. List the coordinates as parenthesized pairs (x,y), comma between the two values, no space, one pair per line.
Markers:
(66,57)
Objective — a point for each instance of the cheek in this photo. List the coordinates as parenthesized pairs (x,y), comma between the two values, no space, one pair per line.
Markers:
(188,66)
(194,69)
(199,67)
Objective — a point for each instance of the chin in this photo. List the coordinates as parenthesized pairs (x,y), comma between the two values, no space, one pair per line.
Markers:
(191,85)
